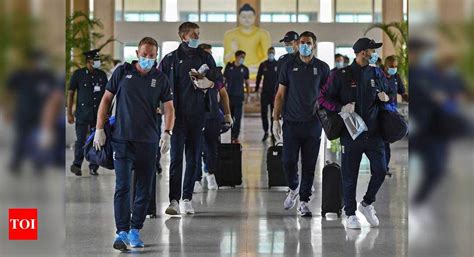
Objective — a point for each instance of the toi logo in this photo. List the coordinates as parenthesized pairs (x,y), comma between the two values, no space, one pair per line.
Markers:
(23,224)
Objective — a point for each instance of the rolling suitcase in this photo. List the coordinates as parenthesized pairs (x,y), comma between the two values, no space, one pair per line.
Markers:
(332,189)
(229,165)
(276,174)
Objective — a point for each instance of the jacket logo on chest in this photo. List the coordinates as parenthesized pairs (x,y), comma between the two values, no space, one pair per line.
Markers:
(372,83)
(295,69)
(129,76)
(153,83)
(241,70)
(315,71)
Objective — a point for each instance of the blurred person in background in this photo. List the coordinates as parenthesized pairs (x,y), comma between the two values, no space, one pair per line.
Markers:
(29,92)
(346,60)
(396,84)
(140,88)
(338,62)
(211,133)
(268,70)
(236,74)
(89,82)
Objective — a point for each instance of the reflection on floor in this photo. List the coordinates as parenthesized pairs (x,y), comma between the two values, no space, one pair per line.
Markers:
(246,221)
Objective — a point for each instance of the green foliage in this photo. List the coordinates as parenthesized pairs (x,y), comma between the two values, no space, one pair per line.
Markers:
(82,34)
(397,32)
(335,146)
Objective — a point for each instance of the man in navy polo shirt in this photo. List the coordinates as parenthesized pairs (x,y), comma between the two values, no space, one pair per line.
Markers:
(139,88)
(191,105)
(268,70)
(300,81)
(360,88)
(235,75)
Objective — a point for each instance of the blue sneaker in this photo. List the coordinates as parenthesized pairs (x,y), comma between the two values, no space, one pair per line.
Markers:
(121,241)
(134,238)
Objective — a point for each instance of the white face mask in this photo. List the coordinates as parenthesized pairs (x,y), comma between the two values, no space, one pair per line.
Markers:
(96,64)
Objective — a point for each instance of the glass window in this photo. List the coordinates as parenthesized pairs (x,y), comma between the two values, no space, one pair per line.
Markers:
(218,54)
(279,51)
(118,10)
(278,11)
(180,10)
(378,11)
(325,52)
(142,10)
(168,47)
(308,10)
(218,10)
(354,11)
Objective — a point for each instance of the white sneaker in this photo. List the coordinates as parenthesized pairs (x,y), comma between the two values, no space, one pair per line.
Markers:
(188,207)
(173,208)
(197,187)
(369,214)
(303,209)
(211,182)
(352,222)
(290,200)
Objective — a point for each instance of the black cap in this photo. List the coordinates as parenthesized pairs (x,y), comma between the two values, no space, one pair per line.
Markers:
(290,36)
(364,44)
(92,54)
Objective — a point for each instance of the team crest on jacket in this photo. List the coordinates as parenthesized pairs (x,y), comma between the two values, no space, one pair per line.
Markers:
(153,83)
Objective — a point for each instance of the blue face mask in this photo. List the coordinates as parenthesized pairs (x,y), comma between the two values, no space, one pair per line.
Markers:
(241,61)
(289,49)
(340,65)
(193,43)
(146,63)
(392,71)
(271,56)
(373,58)
(305,50)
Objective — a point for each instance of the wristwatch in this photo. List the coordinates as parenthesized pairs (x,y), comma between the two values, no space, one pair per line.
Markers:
(169,132)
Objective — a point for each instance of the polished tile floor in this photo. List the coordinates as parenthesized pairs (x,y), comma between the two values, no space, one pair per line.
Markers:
(246,221)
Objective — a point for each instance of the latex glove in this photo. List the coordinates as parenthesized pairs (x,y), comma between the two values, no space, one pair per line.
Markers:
(277,130)
(228,120)
(383,97)
(99,138)
(165,142)
(348,108)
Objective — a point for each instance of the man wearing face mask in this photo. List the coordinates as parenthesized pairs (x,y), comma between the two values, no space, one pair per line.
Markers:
(191,108)
(89,82)
(300,79)
(267,69)
(360,88)
(236,74)
(290,40)
(396,85)
(338,62)
(139,89)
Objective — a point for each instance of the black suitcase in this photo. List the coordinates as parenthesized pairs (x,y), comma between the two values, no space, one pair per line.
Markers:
(332,189)
(229,165)
(152,205)
(276,174)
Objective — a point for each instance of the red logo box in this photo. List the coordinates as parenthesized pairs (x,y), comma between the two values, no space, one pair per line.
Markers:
(23,224)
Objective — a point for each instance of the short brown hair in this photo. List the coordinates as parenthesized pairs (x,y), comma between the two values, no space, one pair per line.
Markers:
(390,59)
(186,26)
(148,41)
(239,53)
(308,34)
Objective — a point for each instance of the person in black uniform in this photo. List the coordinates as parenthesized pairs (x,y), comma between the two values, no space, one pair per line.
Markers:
(396,84)
(89,82)
(300,79)
(236,74)
(191,107)
(291,46)
(360,88)
(139,88)
(267,69)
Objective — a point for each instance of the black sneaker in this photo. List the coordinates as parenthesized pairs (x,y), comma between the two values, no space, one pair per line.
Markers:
(265,137)
(76,170)
(93,172)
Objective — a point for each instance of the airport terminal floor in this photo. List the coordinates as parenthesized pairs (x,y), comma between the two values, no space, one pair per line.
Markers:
(245,221)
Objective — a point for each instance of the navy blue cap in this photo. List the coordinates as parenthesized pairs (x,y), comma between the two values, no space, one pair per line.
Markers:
(364,44)
(92,54)
(290,36)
